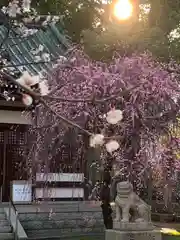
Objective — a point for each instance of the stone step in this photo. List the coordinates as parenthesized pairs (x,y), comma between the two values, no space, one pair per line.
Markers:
(2,216)
(62,234)
(6,236)
(4,223)
(60,207)
(72,224)
(1,209)
(59,216)
(5,229)
(82,237)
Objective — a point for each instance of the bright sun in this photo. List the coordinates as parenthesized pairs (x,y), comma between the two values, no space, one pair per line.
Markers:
(123,9)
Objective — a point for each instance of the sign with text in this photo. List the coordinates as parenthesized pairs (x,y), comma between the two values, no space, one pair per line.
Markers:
(59,193)
(60,177)
(21,192)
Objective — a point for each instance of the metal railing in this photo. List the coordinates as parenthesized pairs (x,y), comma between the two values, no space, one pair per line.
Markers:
(1,193)
(12,206)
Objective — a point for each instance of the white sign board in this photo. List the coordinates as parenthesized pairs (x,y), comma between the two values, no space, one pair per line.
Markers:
(60,177)
(21,192)
(59,193)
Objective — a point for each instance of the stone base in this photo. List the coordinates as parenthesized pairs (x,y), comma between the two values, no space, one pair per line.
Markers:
(132,226)
(132,235)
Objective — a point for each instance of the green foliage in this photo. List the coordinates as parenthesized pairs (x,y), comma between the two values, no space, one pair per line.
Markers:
(151,33)
(80,18)
(126,40)
(164,14)
(77,14)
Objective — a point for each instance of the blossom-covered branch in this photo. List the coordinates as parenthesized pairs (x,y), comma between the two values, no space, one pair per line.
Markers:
(116,95)
(123,108)
(26,81)
(28,99)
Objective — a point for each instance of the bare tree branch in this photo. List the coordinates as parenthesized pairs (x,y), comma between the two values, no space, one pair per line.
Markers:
(41,100)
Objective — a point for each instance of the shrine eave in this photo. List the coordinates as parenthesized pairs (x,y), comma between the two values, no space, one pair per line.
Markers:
(19,50)
(12,105)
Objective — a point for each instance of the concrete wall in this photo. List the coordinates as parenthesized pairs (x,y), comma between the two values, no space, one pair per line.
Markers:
(69,220)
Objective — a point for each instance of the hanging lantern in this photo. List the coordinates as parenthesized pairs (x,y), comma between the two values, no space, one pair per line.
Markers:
(27,100)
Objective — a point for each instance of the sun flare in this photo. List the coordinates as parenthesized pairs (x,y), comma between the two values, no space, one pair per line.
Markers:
(123,9)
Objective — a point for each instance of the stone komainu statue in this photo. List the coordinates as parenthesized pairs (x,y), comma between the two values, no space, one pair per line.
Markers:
(127,202)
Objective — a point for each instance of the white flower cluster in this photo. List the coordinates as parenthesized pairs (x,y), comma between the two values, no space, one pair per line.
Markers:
(96,140)
(28,15)
(25,32)
(15,8)
(61,60)
(40,55)
(51,19)
(112,117)
(28,81)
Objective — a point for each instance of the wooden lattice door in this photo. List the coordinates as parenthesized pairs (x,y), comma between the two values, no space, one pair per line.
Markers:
(12,156)
(1,160)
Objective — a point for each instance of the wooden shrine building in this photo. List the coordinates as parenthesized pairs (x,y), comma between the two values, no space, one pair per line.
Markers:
(14,124)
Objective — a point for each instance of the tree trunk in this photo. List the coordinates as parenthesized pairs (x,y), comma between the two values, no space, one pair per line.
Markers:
(168,196)
(163,15)
(136,10)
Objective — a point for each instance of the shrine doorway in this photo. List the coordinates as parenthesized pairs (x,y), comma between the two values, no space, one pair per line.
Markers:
(13,142)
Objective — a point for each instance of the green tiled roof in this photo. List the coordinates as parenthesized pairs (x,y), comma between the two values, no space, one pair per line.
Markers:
(20,50)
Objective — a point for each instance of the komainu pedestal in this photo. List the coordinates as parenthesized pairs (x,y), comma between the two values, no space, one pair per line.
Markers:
(133,217)
(132,235)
